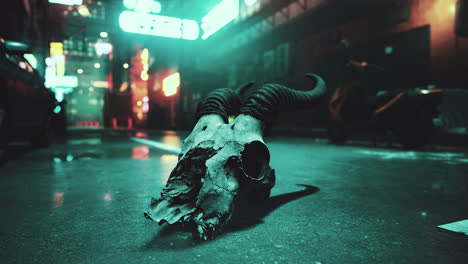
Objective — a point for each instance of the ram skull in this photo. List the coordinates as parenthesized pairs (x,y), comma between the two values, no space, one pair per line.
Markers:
(222,163)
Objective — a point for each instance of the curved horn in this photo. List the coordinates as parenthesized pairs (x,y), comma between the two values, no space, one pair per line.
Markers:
(242,90)
(267,101)
(222,101)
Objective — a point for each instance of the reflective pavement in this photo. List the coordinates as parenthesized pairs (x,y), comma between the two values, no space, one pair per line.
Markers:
(82,201)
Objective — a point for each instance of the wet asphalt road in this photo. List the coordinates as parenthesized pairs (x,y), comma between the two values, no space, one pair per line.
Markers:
(82,201)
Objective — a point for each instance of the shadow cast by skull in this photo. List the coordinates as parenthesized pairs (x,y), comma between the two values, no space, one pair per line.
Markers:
(246,215)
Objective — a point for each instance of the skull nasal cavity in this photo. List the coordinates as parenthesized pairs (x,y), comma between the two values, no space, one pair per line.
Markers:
(255,158)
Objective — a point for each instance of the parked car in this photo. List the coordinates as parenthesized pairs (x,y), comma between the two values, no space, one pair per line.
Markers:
(26,105)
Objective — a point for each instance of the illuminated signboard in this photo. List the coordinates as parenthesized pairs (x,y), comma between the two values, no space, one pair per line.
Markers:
(56,54)
(66,81)
(56,48)
(59,64)
(144,56)
(143,6)
(63,85)
(50,73)
(139,20)
(219,16)
(67,2)
(170,84)
(157,25)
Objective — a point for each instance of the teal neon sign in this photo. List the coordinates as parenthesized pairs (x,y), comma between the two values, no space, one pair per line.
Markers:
(219,16)
(141,20)
(143,6)
(157,25)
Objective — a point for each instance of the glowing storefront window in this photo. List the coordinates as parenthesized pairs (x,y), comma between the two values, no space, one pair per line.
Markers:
(170,84)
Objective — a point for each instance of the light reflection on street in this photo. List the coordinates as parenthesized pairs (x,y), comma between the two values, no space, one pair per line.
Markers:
(140,152)
(58,199)
(168,162)
(414,155)
(89,141)
(59,183)
(171,140)
(107,197)
(141,134)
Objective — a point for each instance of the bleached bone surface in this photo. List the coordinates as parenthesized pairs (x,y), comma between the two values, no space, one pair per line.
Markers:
(222,164)
(218,162)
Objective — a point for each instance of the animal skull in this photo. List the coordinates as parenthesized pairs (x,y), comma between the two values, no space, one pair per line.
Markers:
(222,162)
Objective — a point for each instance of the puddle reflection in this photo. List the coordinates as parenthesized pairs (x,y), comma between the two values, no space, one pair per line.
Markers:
(171,140)
(140,152)
(68,157)
(107,197)
(89,141)
(141,134)
(414,155)
(58,199)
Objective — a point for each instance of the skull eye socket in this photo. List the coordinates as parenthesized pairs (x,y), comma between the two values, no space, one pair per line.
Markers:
(255,158)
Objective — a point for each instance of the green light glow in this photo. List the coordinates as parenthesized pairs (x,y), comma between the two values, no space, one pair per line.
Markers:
(31,59)
(130,4)
(66,81)
(218,17)
(388,50)
(157,25)
(190,29)
(57,109)
(16,45)
(143,6)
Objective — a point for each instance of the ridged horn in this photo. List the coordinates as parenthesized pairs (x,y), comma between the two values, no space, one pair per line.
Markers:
(222,101)
(267,101)
(242,90)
